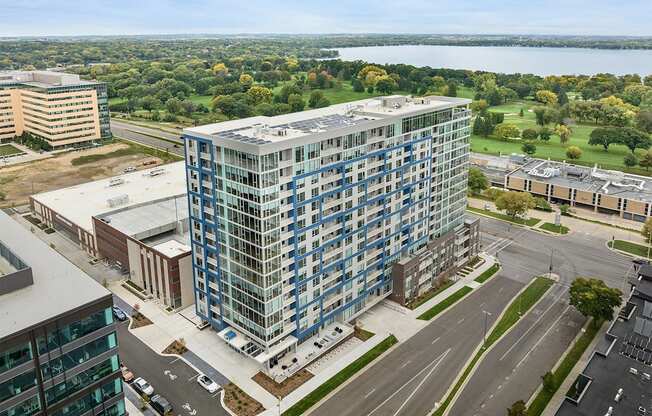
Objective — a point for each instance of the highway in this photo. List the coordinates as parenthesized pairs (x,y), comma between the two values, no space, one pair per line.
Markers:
(417,374)
(148,137)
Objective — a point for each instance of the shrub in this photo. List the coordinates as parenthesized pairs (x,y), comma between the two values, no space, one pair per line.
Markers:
(630,160)
(529,134)
(573,152)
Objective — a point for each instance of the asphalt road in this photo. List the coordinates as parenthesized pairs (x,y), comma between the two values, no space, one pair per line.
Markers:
(144,135)
(170,377)
(417,374)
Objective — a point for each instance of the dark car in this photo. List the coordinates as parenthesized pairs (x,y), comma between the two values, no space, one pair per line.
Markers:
(119,314)
(161,405)
(640,262)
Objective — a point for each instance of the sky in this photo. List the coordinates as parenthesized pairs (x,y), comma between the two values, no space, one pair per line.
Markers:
(133,17)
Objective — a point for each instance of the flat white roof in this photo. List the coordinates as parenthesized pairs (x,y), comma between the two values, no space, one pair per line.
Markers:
(172,248)
(81,202)
(262,130)
(59,286)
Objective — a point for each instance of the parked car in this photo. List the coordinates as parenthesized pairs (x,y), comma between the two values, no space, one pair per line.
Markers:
(161,405)
(127,375)
(142,386)
(640,262)
(208,384)
(129,169)
(119,314)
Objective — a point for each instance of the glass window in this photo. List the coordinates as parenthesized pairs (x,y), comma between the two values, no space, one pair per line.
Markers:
(78,356)
(96,397)
(81,380)
(15,356)
(75,330)
(26,408)
(17,385)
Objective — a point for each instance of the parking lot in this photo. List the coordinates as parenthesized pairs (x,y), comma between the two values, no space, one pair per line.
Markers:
(171,377)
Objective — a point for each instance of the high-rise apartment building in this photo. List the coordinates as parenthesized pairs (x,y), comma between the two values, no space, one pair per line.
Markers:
(59,108)
(58,345)
(296,220)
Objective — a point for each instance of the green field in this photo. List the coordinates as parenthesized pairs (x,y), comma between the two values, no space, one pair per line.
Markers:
(631,248)
(9,150)
(444,304)
(553,149)
(486,275)
(559,229)
(332,383)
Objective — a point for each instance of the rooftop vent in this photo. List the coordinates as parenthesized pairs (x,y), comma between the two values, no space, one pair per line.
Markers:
(156,172)
(116,181)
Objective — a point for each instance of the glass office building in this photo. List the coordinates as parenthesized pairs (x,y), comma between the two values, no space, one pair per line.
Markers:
(296,220)
(58,347)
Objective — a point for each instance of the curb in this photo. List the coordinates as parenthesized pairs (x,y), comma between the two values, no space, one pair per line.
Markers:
(479,348)
(534,227)
(626,253)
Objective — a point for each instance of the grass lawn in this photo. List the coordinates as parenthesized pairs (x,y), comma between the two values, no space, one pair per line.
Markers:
(332,383)
(536,289)
(429,295)
(487,273)
(441,306)
(632,248)
(133,149)
(613,159)
(8,150)
(529,222)
(465,92)
(548,226)
(543,397)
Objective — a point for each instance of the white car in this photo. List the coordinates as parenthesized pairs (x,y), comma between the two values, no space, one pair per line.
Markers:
(208,384)
(129,169)
(143,386)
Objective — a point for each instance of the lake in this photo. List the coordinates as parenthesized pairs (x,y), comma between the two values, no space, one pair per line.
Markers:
(509,59)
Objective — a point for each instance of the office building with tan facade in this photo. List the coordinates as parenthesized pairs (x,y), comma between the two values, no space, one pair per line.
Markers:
(60,108)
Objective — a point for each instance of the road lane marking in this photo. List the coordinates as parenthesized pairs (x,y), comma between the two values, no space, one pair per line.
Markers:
(175,360)
(369,394)
(543,336)
(561,293)
(420,384)
(437,360)
(460,321)
(435,340)
(405,364)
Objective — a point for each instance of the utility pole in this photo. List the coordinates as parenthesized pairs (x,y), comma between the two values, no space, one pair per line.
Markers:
(486,317)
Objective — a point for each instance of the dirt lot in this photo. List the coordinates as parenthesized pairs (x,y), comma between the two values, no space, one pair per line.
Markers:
(18,182)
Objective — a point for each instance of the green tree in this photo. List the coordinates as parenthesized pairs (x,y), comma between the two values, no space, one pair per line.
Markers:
(515,203)
(634,139)
(477,181)
(644,120)
(630,160)
(604,136)
(529,148)
(323,102)
(246,80)
(296,103)
(357,85)
(517,409)
(315,96)
(564,209)
(549,383)
(646,231)
(385,84)
(545,134)
(173,106)
(521,113)
(573,152)
(507,130)
(646,160)
(259,94)
(564,133)
(529,134)
(593,298)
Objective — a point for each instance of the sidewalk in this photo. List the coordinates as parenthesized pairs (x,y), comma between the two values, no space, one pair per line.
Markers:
(577,224)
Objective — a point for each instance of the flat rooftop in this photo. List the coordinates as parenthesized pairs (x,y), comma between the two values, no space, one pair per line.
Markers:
(58,285)
(80,203)
(607,182)
(263,130)
(624,348)
(41,79)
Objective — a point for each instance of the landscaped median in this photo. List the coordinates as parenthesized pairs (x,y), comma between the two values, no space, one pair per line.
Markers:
(559,229)
(332,383)
(519,306)
(488,273)
(631,248)
(530,222)
(542,398)
(444,304)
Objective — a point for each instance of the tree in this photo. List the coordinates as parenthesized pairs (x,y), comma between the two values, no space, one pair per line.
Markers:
(515,203)
(546,97)
(630,160)
(647,230)
(646,160)
(479,106)
(259,94)
(296,103)
(357,85)
(506,131)
(246,80)
(593,298)
(529,134)
(517,409)
(563,132)
(477,181)
(564,209)
(548,381)
(544,134)
(644,120)
(369,74)
(529,148)
(385,84)
(323,102)
(220,69)
(521,113)
(173,106)
(573,152)
(315,96)
(634,139)
(604,136)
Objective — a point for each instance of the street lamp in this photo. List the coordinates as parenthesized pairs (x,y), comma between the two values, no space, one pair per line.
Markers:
(279,404)
(486,317)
